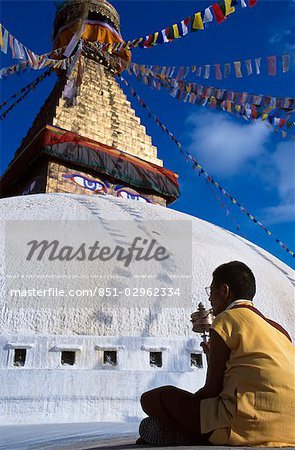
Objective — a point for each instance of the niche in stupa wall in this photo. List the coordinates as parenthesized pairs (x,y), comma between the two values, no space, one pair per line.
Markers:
(61,178)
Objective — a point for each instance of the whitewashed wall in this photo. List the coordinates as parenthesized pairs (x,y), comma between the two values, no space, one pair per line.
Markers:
(44,391)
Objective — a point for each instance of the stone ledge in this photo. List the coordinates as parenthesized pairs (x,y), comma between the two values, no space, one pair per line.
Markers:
(82,436)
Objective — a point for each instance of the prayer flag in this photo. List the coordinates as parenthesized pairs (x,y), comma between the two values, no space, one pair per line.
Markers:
(199,71)
(217,93)
(186,72)
(252,2)
(249,67)
(193,98)
(244,97)
(207,71)
(22,51)
(218,13)
(212,103)
(164,34)
(42,62)
(148,40)
(229,9)
(170,33)
(226,70)
(11,44)
(208,16)
(243,4)
(17,50)
(180,73)
(237,65)
(272,65)
(257,99)
(175,31)
(184,25)
(273,102)
(186,98)
(257,65)
(31,61)
(5,42)
(230,95)
(218,74)
(254,112)
(197,23)
(72,44)
(285,63)
(228,105)
(1,38)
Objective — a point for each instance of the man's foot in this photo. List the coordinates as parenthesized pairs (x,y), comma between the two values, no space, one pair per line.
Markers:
(153,432)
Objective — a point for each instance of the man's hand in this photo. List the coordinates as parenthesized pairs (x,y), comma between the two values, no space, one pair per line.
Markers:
(194,318)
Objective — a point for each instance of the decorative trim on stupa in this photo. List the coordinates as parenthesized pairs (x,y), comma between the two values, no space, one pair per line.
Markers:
(73,10)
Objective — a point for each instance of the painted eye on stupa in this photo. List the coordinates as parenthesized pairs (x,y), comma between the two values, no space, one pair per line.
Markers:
(87,183)
(130,196)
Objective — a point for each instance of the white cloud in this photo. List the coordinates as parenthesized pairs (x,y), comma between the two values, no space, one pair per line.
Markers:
(284,37)
(222,144)
(283,162)
(283,213)
(278,37)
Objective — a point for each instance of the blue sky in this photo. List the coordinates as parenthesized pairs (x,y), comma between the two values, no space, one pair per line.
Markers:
(249,160)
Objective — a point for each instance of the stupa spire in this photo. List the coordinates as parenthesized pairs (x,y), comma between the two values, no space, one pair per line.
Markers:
(87,139)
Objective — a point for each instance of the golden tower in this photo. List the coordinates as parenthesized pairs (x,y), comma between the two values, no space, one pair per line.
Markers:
(86,138)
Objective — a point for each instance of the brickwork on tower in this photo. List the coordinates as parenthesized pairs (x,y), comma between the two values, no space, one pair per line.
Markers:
(104,114)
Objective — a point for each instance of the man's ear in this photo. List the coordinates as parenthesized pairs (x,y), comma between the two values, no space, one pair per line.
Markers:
(225,290)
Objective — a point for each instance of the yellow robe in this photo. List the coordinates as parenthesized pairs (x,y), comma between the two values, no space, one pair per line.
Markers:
(256,406)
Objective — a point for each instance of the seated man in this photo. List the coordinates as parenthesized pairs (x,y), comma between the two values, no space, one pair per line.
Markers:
(248,398)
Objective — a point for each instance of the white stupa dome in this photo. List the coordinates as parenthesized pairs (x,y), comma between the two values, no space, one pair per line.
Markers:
(44,390)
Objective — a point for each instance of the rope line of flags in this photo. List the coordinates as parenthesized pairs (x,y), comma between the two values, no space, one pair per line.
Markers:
(195,165)
(199,21)
(25,92)
(277,111)
(269,65)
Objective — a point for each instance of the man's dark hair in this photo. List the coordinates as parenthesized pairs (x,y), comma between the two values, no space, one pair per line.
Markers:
(238,277)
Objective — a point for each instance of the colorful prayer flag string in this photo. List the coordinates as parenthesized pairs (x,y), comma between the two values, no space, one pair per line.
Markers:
(18,50)
(22,91)
(40,62)
(249,106)
(197,22)
(273,65)
(202,171)
(226,210)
